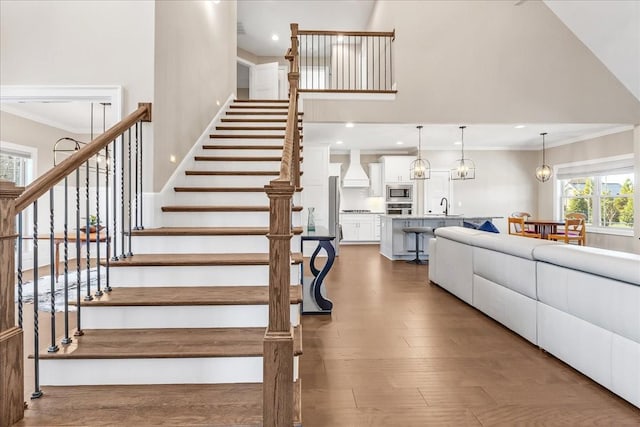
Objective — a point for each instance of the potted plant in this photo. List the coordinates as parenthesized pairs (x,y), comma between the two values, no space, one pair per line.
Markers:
(94,225)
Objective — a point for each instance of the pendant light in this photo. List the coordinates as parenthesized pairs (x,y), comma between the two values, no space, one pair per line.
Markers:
(420,168)
(543,172)
(464,168)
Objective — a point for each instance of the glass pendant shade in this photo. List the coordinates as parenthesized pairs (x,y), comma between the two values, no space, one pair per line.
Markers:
(420,168)
(543,172)
(464,168)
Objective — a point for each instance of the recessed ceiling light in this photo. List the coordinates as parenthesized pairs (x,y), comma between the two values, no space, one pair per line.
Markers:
(275,38)
(172,158)
(349,125)
(520,127)
(338,142)
(216,1)
(457,143)
(399,142)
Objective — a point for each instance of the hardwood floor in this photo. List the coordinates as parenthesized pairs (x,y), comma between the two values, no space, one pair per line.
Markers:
(398,351)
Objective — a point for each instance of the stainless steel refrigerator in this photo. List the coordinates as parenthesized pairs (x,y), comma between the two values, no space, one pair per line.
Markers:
(334,211)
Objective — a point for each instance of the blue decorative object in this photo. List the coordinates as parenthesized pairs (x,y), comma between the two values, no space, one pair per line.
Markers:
(488,226)
(467,224)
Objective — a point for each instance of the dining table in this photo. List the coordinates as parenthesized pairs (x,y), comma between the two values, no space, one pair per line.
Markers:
(545,226)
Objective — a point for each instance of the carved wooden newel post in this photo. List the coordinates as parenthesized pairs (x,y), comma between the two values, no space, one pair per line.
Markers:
(11,341)
(278,340)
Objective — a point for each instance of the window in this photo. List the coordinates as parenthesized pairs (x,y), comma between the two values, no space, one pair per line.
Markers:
(602,191)
(15,167)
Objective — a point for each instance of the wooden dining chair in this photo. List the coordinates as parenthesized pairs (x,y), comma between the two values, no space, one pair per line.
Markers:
(574,230)
(517,228)
(525,216)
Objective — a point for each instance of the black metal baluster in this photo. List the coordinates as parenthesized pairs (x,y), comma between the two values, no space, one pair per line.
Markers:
(36,333)
(115,203)
(19,272)
(141,192)
(313,86)
(98,284)
(87,233)
(66,339)
(78,331)
(129,254)
(379,73)
(390,63)
(122,255)
(107,236)
(385,64)
(138,131)
(53,347)
(349,64)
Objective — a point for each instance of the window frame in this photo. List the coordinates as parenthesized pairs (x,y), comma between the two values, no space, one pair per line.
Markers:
(591,169)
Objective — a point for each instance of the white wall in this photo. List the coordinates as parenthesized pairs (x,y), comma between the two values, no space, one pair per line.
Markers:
(79,43)
(195,67)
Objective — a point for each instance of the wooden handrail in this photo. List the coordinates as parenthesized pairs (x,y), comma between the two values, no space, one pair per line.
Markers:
(41,185)
(286,166)
(347,33)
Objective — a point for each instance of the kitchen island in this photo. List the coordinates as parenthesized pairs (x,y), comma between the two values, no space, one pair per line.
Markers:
(395,244)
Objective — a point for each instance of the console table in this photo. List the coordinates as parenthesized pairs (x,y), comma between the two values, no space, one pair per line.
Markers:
(314,294)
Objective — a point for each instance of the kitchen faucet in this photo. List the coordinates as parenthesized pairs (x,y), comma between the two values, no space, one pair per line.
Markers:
(446,205)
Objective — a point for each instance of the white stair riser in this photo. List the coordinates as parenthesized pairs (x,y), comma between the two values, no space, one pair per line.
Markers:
(222,198)
(219,198)
(228,275)
(224,180)
(277,133)
(269,140)
(221,219)
(241,152)
(205,244)
(198,316)
(232,142)
(204,370)
(205,165)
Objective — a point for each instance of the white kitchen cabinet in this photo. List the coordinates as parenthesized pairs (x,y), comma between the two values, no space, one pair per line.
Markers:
(357,228)
(376,228)
(396,168)
(375,177)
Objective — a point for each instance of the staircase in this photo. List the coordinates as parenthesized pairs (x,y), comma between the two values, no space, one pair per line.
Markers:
(179,339)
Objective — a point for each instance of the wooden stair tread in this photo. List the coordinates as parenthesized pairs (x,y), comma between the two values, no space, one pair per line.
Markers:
(266,107)
(259,113)
(256,120)
(261,128)
(201,208)
(169,260)
(188,295)
(241,147)
(222,189)
(239,158)
(213,405)
(163,343)
(245,136)
(228,173)
(207,231)
(275,101)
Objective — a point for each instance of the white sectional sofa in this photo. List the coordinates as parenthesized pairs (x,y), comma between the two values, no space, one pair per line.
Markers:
(578,303)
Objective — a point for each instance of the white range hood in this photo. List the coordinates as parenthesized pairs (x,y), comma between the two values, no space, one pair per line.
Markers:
(355,176)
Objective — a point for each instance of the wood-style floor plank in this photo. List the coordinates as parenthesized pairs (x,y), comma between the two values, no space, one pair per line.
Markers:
(188,295)
(152,405)
(166,343)
(398,351)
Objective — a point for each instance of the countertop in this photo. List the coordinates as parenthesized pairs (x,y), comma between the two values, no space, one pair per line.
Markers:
(361,213)
(440,217)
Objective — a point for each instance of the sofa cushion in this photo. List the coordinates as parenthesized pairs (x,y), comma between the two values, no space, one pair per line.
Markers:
(513,245)
(617,265)
(457,234)
(512,272)
(608,303)
(488,226)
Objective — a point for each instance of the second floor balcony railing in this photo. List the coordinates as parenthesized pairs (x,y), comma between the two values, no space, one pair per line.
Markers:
(346,61)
